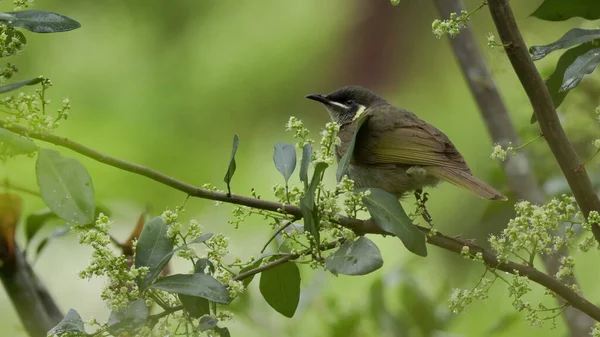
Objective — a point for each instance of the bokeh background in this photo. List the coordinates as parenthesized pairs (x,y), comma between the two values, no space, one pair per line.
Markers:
(166,84)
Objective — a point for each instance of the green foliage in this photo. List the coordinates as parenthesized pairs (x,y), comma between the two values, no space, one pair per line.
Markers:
(559,10)
(308,206)
(280,287)
(231,167)
(555,80)
(17,85)
(358,257)
(12,144)
(72,323)
(391,217)
(306,158)
(583,65)
(66,187)
(284,157)
(129,320)
(39,21)
(154,250)
(572,38)
(198,285)
(35,221)
(345,160)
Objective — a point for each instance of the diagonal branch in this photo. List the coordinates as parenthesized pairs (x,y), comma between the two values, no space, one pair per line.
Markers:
(544,109)
(519,175)
(361,227)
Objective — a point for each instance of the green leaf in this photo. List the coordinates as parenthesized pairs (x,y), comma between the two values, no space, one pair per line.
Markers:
(154,250)
(389,215)
(345,160)
(201,266)
(280,287)
(358,257)
(560,10)
(72,322)
(284,157)
(395,2)
(129,320)
(12,144)
(307,203)
(222,332)
(583,65)
(573,37)
(231,167)
(39,21)
(195,306)
(207,323)
(58,232)
(66,187)
(199,285)
(201,238)
(35,221)
(306,159)
(17,85)
(554,81)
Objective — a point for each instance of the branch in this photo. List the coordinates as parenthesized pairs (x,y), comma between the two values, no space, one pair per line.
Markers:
(544,109)
(519,175)
(36,309)
(360,227)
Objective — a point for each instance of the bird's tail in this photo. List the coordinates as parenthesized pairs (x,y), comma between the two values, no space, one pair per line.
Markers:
(465,180)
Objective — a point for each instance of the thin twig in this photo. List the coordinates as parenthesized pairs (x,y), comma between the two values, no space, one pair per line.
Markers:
(358,226)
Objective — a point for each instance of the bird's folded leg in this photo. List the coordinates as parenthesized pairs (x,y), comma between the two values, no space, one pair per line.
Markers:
(421,208)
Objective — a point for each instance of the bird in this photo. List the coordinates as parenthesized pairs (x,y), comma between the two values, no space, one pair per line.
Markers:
(395,150)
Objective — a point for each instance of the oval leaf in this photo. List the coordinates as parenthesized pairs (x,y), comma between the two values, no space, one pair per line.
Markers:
(280,287)
(358,257)
(560,10)
(573,37)
(195,306)
(66,187)
(389,215)
(284,157)
(17,85)
(56,233)
(306,159)
(207,323)
(12,144)
(345,160)
(129,320)
(199,285)
(40,21)
(307,203)
(35,221)
(154,250)
(72,322)
(583,65)
(231,167)
(554,81)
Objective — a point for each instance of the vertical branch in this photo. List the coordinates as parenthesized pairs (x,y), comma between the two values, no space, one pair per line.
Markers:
(33,303)
(520,177)
(544,109)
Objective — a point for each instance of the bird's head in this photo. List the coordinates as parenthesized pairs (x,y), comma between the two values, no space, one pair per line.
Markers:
(347,102)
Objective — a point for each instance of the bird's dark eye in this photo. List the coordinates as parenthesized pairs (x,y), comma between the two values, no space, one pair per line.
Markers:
(350,102)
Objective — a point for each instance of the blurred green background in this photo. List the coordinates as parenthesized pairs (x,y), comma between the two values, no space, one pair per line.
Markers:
(166,84)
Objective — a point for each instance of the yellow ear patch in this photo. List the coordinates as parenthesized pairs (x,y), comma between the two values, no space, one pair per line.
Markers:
(361,109)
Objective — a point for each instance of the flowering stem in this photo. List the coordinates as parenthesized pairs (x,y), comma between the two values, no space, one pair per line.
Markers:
(360,227)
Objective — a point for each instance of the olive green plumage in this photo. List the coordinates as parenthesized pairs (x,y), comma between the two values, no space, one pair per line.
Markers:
(395,150)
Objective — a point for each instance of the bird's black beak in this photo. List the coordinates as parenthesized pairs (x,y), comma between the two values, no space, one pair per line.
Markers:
(319,98)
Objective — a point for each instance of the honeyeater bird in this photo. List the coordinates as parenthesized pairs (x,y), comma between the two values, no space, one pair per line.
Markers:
(395,150)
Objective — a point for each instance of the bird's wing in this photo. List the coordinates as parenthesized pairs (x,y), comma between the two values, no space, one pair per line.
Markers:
(414,142)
